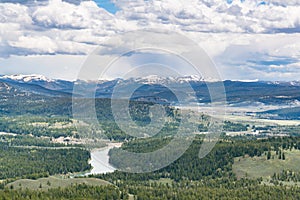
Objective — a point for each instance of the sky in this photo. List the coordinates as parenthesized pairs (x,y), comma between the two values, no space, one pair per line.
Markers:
(246,39)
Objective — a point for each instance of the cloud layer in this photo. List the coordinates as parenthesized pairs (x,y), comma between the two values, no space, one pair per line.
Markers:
(62,27)
(260,36)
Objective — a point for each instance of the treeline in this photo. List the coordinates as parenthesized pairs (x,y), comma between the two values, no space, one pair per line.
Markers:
(144,145)
(139,113)
(286,175)
(144,188)
(75,192)
(286,143)
(185,192)
(218,163)
(20,117)
(25,140)
(234,127)
(191,178)
(39,105)
(21,162)
(16,105)
(25,125)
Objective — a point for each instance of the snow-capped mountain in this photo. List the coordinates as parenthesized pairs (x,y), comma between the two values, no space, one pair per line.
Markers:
(295,83)
(155,79)
(150,79)
(27,78)
(155,88)
(290,83)
(39,84)
(187,79)
(17,89)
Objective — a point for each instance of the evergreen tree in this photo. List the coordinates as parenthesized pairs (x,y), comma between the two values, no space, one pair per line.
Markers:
(269,155)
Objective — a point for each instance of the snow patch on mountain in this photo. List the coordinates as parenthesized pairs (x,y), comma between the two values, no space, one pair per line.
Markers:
(155,79)
(27,78)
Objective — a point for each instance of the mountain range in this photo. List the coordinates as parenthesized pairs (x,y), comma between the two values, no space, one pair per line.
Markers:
(154,88)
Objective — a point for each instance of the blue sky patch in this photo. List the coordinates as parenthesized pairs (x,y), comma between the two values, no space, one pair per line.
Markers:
(107,5)
(262,3)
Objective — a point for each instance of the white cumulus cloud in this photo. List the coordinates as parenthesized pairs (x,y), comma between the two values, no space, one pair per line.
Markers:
(234,34)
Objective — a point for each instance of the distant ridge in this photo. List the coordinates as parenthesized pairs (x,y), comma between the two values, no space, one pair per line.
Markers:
(154,89)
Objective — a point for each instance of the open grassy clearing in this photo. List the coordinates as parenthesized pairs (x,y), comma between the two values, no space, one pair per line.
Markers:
(54,182)
(250,119)
(257,167)
(236,114)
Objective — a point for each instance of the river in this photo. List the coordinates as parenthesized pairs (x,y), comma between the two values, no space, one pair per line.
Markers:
(99,159)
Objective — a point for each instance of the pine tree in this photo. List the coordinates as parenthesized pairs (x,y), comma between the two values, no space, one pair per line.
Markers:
(269,155)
